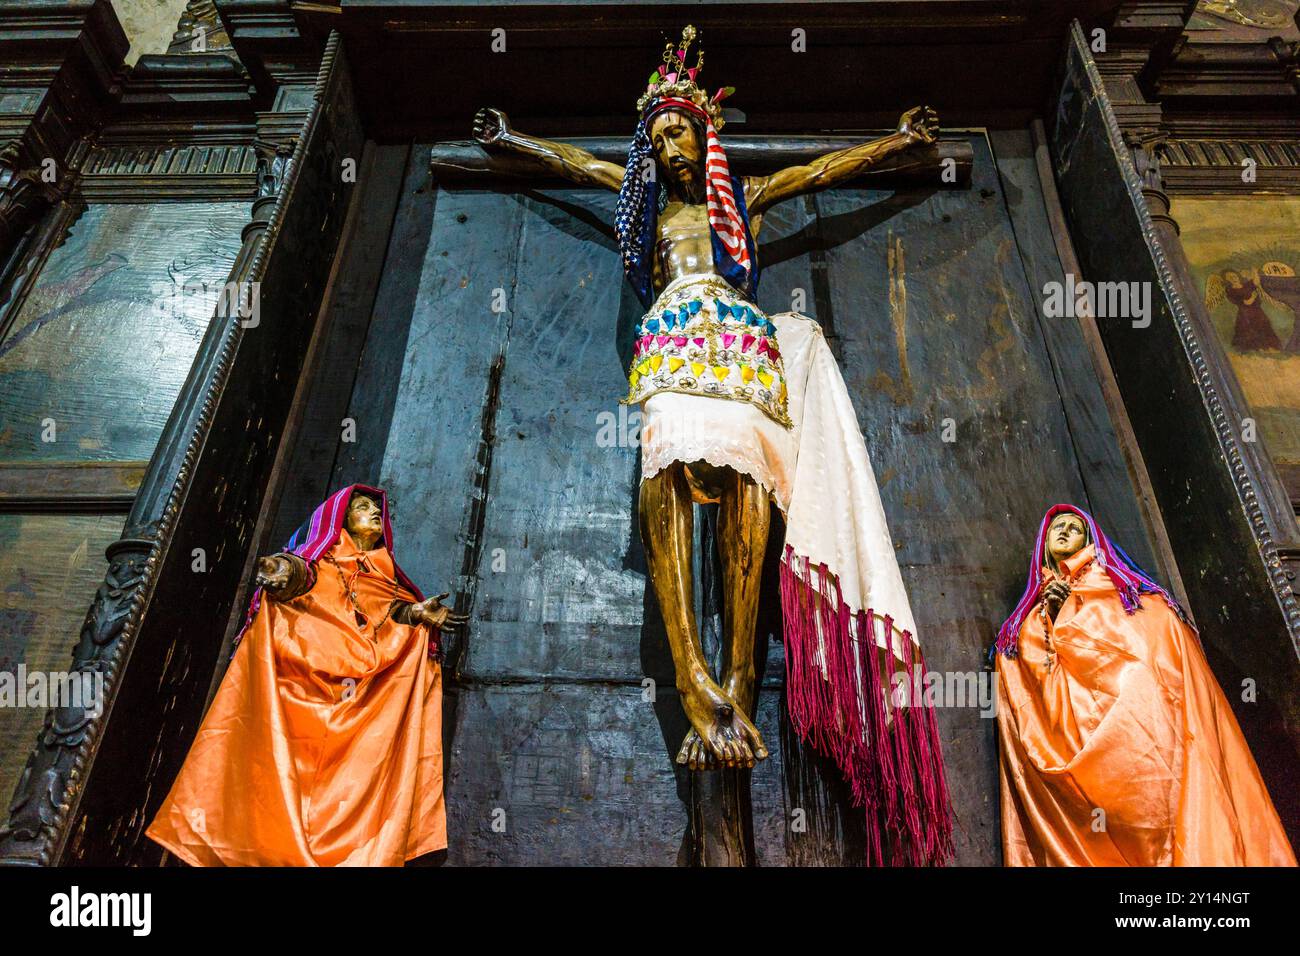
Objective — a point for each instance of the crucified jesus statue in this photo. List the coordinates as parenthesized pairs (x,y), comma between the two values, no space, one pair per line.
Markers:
(709,368)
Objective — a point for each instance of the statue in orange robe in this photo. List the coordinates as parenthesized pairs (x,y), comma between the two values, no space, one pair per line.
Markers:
(323,746)
(1117,746)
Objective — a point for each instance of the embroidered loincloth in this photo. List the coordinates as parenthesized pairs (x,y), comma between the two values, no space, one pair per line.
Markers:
(702,337)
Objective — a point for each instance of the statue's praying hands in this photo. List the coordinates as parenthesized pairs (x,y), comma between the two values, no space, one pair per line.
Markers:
(1054,594)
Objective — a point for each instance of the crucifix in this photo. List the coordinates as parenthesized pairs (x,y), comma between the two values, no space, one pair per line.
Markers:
(716,380)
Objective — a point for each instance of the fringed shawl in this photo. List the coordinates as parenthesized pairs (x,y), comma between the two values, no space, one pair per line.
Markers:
(850,641)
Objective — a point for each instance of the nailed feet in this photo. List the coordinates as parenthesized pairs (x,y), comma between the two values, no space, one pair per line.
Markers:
(722,734)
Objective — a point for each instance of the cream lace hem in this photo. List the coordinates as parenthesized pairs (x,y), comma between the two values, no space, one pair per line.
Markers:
(730,454)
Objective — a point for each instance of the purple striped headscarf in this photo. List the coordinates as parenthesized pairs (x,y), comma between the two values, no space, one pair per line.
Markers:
(1129,579)
(320,532)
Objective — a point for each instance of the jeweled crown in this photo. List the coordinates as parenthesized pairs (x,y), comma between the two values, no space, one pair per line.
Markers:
(674,79)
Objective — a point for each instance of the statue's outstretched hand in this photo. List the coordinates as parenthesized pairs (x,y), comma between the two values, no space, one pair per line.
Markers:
(274,572)
(432,612)
(491,126)
(920,125)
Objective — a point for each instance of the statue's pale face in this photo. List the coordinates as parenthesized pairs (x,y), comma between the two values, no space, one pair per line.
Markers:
(365,520)
(679,150)
(1066,535)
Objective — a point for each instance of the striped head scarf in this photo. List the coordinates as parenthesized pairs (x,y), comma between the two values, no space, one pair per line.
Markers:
(1129,579)
(636,214)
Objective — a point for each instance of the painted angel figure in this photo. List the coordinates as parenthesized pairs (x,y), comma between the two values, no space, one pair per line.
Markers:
(1253,329)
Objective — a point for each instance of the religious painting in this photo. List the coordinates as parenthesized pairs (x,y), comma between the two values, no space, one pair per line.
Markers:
(1245,254)
(95,356)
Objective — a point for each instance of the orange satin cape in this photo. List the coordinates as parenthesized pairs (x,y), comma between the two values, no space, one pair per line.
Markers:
(323,746)
(1125,752)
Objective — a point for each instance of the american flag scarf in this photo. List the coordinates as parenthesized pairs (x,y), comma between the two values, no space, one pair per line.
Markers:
(1129,579)
(637,211)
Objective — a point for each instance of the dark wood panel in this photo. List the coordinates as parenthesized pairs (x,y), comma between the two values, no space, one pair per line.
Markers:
(350,309)
(559,591)
(582,775)
(1109,489)
(380,365)
(975,60)
(577,775)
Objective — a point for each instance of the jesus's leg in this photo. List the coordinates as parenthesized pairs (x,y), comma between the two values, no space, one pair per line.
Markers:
(667,526)
(744,517)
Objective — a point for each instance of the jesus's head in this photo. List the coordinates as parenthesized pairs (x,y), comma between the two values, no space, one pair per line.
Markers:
(677,138)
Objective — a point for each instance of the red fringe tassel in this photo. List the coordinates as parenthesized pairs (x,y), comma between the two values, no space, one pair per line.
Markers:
(894,769)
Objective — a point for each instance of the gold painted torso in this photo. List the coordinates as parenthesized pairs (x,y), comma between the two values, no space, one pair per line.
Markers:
(683,245)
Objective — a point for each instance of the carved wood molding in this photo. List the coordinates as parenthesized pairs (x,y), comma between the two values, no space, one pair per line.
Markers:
(99,487)
(200,30)
(52,782)
(63,61)
(1238,72)
(25,191)
(194,171)
(40,800)
(211,82)
(1205,103)
(1230,165)
(257,30)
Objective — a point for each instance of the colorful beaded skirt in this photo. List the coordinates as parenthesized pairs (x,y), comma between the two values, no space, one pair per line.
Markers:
(702,337)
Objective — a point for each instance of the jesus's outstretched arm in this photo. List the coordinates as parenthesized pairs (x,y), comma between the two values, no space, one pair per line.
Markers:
(492,129)
(918,127)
